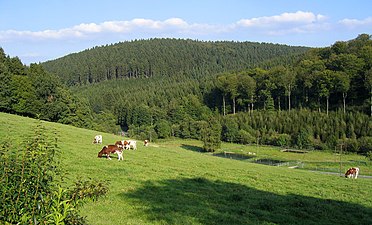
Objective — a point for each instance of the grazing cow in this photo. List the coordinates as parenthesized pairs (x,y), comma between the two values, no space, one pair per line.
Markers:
(108,149)
(146,143)
(130,144)
(120,143)
(353,172)
(97,139)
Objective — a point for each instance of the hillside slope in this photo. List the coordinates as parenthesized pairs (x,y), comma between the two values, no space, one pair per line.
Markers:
(165,57)
(169,183)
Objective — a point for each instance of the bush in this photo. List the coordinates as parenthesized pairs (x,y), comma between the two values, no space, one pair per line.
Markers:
(163,129)
(245,137)
(282,140)
(369,155)
(230,129)
(303,139)
(211,134)
(365,144)
(351,145)
(30,193)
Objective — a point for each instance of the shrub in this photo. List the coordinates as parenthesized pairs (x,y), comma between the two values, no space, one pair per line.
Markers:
(303,139)
(29,190)
(282,140)
(163,128)
(211,135)
(365,144)
(230,129)
(351,145)
(369,155)
(245,137)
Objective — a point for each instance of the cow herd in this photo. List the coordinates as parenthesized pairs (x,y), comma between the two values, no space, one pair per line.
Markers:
(116,148)
(119,146)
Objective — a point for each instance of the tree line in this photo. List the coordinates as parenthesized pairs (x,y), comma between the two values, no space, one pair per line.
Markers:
(31,91)
(337,77)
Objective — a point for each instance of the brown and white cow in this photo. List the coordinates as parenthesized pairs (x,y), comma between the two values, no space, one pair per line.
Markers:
(146,143)
(108,149)
(120,143)
(97,139)
(352,172)
(130,144)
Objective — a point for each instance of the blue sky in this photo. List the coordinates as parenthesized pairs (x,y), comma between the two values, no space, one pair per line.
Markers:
(41,30)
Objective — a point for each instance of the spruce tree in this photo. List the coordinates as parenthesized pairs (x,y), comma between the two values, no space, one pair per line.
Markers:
(211,135)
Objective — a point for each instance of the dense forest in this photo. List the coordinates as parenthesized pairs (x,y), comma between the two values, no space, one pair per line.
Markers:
(243,92)
(33,92)
(318,100)
(165,57)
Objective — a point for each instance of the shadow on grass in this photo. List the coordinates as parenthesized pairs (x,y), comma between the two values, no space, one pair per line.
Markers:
(236,156)
(201,201)
(270,162)
(192,148)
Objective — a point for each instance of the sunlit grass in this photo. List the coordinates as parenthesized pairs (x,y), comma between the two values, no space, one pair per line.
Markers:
(174,182)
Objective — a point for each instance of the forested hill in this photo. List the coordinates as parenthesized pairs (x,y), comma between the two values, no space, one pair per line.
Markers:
(166,57)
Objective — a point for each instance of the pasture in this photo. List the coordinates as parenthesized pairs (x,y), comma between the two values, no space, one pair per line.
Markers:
(172,182)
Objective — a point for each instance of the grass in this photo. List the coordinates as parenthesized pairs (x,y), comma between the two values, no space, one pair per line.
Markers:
(171,182)
(312,160)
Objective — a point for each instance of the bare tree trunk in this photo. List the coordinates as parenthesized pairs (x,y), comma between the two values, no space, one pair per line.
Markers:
(224,105)
(289,100)
(233,105)
(319,104)
(289,97)
(327,104)
(344,98)
(252,104)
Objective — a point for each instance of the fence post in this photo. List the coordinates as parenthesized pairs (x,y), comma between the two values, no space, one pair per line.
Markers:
(341,159)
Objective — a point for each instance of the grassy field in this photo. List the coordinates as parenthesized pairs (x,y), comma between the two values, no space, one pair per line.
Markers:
(172,182)
(311,160)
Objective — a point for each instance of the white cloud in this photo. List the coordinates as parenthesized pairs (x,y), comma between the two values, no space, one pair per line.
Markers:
(86,28)
(286,23)
(354,23)
(140,25)
(298,17)
(297,22)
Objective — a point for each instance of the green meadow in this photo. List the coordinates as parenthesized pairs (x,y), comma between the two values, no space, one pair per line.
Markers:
(174,182)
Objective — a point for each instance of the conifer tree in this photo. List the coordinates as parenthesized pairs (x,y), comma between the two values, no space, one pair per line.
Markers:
(211,134)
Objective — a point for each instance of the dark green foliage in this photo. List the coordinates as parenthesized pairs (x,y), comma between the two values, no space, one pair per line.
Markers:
(5,83)
(365,144)
(27,173)
(244,137)
(30,184)
(163,128)
(165,87)
(369,155)
(31,91)
(352,145)
(282,140)
(302,139)
(211,134)
(319,80)
(307,129)
(164,57)
(230,129)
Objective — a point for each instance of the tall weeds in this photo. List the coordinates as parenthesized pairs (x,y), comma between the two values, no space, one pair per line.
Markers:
(30,189)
